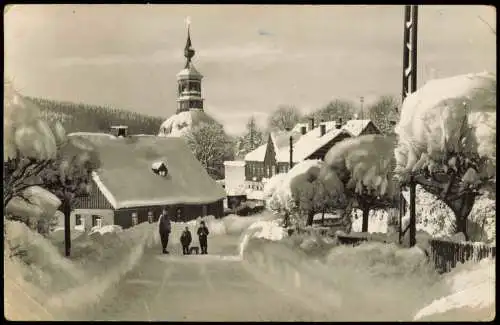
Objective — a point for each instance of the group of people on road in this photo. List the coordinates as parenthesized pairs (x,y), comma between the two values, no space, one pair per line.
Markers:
(165,228)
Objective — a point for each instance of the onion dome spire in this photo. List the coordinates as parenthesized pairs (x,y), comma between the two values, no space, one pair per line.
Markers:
(188,49)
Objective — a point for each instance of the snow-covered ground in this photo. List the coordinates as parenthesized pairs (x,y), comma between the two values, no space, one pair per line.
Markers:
(373,281)
(58,285)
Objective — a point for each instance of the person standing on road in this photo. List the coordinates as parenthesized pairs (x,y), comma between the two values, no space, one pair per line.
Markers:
(202,236)
(164,228)
(179,217)
(186,241)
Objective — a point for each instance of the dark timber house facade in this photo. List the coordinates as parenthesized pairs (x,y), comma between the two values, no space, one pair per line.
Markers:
(142,174)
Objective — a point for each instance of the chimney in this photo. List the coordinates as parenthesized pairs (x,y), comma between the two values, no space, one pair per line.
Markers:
(303,129)
(338,125)
(119,131)
(312,123)
(322,129)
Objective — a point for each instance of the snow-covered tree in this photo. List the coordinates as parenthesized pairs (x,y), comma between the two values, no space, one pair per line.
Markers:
(313,195)
(285,117)
(298,195)
(252,139)
(69,175)
(382,111)
(211,146)
(447,140)
(361,166)
(43,170)
(29,147)
(334,110)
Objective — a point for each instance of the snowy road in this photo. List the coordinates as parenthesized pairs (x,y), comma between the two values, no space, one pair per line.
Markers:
(198,288)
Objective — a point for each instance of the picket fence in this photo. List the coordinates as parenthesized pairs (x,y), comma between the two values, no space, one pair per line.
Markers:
(447,254)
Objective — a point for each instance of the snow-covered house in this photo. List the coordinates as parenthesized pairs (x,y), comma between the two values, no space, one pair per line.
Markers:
(360,127)
(140,174)
(308,142)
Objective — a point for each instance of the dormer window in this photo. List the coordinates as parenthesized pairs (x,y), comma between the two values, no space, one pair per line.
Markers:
(119,131)
(160,168)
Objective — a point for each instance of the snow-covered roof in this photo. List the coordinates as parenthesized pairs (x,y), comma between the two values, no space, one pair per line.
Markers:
(307,144)
(126,180)
(257,154)
(355,127)
(310,143)
(298,126)
(235,163)
(189,72)
(181,123)
(281,143)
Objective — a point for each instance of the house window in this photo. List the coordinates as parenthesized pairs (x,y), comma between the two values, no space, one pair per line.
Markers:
(135,219)
(79,220)
(96,221)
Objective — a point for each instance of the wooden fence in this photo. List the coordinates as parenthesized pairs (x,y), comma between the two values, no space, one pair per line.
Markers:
(447,254)
(351,240)
(444,254)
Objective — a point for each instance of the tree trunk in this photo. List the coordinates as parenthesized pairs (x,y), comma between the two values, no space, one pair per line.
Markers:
(346,218)
(323,218)
(366,213)
(310,217)
(66,209)
(462,208)
(461,226)
(286,220)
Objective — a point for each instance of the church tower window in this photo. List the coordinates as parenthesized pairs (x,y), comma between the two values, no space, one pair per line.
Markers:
(189,82)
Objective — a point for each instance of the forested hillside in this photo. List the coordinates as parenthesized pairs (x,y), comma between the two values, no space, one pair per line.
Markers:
(90,118)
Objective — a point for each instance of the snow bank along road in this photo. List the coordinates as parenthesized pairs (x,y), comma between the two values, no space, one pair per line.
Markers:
(198,288)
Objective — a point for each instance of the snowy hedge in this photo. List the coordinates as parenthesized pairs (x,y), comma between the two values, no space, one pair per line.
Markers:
(450,123)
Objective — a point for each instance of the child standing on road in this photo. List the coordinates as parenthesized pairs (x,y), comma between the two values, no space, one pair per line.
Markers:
(186,241)
(202,236)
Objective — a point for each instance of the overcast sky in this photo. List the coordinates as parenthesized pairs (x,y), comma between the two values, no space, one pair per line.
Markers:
(253,57)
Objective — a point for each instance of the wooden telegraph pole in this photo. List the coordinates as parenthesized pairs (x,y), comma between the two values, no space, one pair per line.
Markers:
(409,86)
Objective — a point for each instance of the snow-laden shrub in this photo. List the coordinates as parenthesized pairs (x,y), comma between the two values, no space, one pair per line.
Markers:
(447,124)
(362,164)
(272,185)
(292,190)
(434,217)
(25,133)
(482,219)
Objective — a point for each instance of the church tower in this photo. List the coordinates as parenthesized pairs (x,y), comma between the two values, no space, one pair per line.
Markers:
(189,82)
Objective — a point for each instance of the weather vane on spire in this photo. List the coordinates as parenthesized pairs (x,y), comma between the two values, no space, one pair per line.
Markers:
(188,50)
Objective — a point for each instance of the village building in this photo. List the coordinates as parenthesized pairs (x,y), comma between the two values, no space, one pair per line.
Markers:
(190,109)
(308,142)
(139,176)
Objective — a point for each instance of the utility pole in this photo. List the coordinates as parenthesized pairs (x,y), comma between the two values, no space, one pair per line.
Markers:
(362,100)
(251,134)
(409,86)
